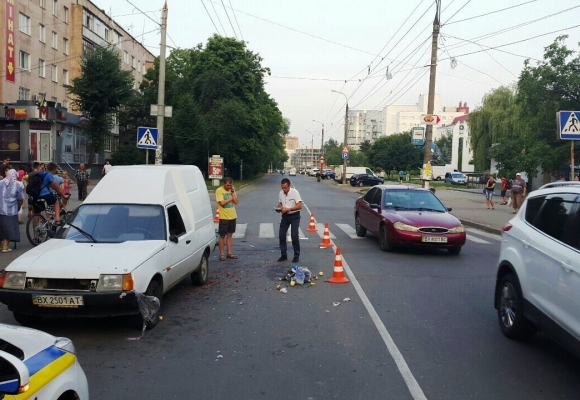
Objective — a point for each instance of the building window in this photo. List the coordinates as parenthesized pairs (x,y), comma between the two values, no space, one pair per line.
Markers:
(42,3)
(65,76)
(65,45)
(54,73)
(42,33)
(54,40)
(24,24)
(23,93)
(54,7)
(126,57)
(66,15)
(65,104)
(107,34)
(133,62)
(24,60)
(41,68)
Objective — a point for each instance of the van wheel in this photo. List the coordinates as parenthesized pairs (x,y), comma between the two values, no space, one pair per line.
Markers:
(25,319)
(199,277)
(154,289)
(360,230)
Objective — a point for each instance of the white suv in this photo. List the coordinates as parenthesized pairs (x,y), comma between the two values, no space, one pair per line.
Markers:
(538,276)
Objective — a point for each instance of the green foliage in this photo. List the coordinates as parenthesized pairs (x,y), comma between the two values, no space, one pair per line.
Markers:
(395,152)
(99,92)
(445,144)
(130,155)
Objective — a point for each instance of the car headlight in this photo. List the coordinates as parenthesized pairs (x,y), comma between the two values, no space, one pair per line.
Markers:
(14,280)
(109,283)
(457,229)
(404,227)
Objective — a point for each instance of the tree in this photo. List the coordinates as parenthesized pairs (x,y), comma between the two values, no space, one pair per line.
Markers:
(396,152)
(99,92)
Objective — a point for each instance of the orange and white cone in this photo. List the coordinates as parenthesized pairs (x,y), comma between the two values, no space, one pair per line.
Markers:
(326,237)
(312,226)
(338,274)
(217,216)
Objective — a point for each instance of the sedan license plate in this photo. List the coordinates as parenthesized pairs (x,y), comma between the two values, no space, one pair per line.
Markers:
(57,301)
(434,239)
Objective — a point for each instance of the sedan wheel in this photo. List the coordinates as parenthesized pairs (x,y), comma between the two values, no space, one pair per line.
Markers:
(360,230)
(383,240)
(511,310)
(361,183)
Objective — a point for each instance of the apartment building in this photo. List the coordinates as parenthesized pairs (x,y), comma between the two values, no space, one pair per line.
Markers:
(43,41)
(364,125)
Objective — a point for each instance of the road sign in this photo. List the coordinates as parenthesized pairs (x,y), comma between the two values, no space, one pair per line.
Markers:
(215,167)
(431,119)
(569,125)
(345,155)
(345,150)
(147,138)
(418,136)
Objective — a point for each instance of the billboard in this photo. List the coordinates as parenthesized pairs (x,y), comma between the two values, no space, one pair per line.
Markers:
(215,167)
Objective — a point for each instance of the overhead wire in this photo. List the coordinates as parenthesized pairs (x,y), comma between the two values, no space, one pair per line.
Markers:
(228,15)
(489,13)
(218,18)
(236,19)
(211,19)
(456,12)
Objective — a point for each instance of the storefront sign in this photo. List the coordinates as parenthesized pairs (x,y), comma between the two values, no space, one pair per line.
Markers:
(15,113)
(9,40)
(216,168)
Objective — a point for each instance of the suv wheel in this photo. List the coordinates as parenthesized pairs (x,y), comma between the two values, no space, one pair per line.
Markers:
(511,309)
(360,183)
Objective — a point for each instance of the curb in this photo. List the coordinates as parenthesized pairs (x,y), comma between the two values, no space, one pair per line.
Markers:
(481,226)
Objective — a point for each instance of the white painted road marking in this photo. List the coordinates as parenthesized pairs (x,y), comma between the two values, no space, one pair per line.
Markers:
(483,233)
(476,239)
(240,231)
(267,231)
(320,231)
(349,230)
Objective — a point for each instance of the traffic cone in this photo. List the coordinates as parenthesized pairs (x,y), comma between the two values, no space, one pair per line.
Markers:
(217,216)
(311,227)
(326,237)
(338,274)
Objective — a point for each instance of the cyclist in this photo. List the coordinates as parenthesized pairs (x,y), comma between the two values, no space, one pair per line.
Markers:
(46,195)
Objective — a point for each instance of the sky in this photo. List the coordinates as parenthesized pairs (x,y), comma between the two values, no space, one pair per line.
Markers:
(315,46)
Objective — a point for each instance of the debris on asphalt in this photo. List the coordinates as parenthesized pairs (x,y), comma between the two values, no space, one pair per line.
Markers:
(321,273)
(336,304)
(346,299)
(283,290)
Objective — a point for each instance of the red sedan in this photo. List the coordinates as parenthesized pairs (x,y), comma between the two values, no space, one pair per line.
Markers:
(407,216)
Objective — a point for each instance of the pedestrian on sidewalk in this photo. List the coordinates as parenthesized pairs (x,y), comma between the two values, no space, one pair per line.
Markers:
(401,174)
(83,180)
(518,191)
(11,199)
(227,199)
(504,187)
(289,204)
(577,178)
(107,167)
(489,189)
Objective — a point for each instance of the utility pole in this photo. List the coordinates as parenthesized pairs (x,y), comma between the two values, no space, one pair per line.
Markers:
(161,88)
(321,144)
(345,138)
(431,100)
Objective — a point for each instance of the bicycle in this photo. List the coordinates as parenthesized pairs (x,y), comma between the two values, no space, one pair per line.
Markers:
(40,228)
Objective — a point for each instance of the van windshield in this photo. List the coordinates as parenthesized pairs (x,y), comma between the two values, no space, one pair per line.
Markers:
(116,223)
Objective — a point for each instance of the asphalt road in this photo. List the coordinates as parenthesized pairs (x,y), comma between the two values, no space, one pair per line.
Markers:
(420,324)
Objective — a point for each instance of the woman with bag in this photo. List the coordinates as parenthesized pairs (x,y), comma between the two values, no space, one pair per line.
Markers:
(489,189)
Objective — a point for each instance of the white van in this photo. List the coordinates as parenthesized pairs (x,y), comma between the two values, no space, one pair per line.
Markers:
(350,171)
(292,172)
(141,230)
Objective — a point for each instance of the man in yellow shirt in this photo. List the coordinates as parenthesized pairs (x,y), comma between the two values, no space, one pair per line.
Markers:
(226,199)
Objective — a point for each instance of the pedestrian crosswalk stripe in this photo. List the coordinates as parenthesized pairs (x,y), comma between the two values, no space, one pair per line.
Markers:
(349,230)
(483,233)
(476,239)
(240,231)
(320,231)
(267,231)
(300,235)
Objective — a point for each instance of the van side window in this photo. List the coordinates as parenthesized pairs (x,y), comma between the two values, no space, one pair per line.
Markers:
(176,226)
(369,171)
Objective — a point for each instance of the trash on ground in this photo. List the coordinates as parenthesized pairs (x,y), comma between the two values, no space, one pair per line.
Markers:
(283,290)
(336,304)
(346,299)
(321,273)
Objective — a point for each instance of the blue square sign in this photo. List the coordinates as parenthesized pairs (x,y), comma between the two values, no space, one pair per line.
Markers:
(569,125)
(147,138)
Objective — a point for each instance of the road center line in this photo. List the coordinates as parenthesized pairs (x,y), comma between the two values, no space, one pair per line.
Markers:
(404,369)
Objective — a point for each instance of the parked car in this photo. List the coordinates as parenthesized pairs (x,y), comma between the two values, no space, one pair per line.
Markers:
(327,174)
(35,364)
(538,273)
(456,178)
(350,171)
(365,179)
(292,172)
(407,216)
(127,242)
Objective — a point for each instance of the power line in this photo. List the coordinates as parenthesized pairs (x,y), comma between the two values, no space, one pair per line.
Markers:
(468,1)
(228,15)
(236,18)
(137,8)
(489,13)
(209,15)
(218,18)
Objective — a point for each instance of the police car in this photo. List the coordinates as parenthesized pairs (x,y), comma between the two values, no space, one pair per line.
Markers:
(37,365)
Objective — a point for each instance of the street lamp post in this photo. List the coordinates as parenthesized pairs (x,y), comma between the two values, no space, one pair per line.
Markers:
(311,149)
(345,135)
(321,145)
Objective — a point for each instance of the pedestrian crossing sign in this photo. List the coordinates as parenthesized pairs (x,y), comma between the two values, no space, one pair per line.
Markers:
(147,138)
(569,125)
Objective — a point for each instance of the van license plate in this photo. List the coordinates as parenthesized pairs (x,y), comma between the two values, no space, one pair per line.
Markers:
(434,239)
(57,301)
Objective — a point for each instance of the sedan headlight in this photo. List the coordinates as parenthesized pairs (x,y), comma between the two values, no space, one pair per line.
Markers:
(404,227)
(110,283)
(14,280)
(457,229)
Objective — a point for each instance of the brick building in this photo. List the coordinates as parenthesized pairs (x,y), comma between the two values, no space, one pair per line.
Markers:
(42,44)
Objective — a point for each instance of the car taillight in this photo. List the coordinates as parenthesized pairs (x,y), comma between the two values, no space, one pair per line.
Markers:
(506,228)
